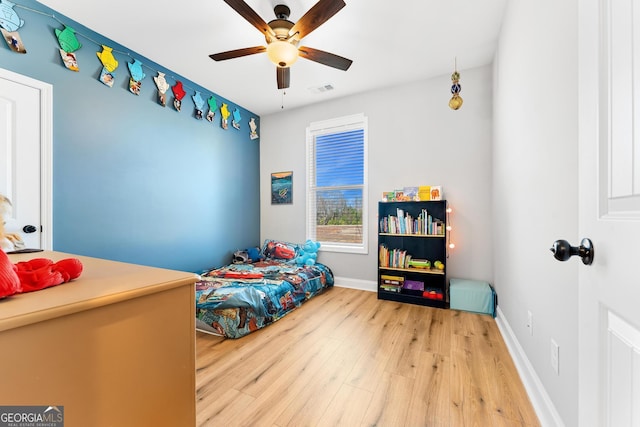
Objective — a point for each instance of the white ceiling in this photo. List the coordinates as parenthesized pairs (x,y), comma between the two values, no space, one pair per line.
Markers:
(389,44)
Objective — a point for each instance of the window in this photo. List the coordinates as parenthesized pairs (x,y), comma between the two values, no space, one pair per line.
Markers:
(337,184)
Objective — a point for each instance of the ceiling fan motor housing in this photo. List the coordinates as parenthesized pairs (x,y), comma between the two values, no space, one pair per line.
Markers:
(281,29)
(282,49)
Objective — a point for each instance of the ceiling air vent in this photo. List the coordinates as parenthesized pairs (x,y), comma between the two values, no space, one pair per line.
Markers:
(321,89)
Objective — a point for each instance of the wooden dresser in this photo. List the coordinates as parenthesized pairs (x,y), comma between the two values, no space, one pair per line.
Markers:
(115,347)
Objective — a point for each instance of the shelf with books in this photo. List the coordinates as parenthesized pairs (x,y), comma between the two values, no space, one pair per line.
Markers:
(431,236)
(420,223)
(412,238)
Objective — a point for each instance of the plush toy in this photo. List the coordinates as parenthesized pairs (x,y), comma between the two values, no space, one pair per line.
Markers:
(247,256)
(8,241)
(308,253)
(35,274)
(255,254)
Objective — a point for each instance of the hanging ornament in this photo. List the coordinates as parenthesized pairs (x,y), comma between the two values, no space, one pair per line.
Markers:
(199,103)
(9,19)
(67,39)
(163,87)
(224,111)
(254,128)
(135,81)
(213,106)
(178,94)
(456,100)
(13,40)
(109,64)
(9,23)
(235,122)
(68,45)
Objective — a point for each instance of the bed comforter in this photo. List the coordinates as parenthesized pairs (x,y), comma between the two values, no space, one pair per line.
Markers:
(238,299)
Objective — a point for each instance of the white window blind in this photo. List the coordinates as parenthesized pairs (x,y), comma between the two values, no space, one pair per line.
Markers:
(337,184)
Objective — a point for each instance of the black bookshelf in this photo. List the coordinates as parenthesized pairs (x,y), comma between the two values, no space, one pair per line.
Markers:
(410,233)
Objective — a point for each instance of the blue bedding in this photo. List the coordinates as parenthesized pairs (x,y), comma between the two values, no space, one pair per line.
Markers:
(238,299)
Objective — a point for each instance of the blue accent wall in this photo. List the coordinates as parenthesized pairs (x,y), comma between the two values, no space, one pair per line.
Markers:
(134,181)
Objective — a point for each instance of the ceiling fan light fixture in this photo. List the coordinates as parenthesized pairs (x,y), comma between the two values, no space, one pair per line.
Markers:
(282,53)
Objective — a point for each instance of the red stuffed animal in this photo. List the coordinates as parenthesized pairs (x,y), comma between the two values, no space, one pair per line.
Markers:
(35,274)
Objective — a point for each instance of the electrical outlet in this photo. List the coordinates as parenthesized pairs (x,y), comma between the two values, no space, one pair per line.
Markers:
(555,356)
(530,322)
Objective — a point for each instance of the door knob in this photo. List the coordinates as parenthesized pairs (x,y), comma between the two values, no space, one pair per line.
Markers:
(562,250)
(29,229)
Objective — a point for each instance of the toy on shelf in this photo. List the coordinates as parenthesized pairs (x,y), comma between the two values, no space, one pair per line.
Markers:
(420,263)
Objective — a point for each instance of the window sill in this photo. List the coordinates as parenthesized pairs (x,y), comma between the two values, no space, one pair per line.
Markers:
(342,248)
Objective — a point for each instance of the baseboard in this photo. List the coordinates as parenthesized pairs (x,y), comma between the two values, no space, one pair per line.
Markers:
(363,285)
(542,404)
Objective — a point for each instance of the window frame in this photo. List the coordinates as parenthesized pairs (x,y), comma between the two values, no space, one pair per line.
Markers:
(324,127)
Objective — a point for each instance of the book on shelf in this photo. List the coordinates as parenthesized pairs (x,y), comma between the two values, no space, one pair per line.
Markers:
(411,193)
(395,258)
(391,283)
(405,223)
(388,196)
(391,288)
(393,280)
(436,192)
(424,192)
(400,217)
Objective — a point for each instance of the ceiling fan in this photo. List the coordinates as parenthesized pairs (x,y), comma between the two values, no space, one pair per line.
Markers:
(283,36)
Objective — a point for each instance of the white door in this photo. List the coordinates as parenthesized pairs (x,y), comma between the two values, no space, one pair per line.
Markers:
(25,156)
(609,190)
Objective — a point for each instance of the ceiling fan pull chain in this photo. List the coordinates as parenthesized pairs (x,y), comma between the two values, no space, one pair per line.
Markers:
(284,92)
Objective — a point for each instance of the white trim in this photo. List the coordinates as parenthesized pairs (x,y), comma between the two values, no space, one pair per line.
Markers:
(629,334)
(362,285)
(46,151)
(343,248)
(338,124)
(46,164)
(542,404)
(346,122)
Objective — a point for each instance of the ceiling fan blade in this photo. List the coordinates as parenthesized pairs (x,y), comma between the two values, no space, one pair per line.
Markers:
(250,15)
(325,58)
(316,16)
(283,76)
(230,54)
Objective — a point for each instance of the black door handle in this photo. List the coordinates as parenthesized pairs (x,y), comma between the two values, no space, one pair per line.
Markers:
(29,229)
(562,250)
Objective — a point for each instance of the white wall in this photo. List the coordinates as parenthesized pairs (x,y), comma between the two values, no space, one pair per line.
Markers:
(535,187)
(414,139)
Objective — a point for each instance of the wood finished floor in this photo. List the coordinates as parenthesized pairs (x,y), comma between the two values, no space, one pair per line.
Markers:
(346,358)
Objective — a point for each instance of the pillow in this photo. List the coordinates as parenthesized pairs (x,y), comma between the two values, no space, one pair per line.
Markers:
(276,249)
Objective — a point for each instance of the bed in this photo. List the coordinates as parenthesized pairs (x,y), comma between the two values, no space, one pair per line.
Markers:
(240,298)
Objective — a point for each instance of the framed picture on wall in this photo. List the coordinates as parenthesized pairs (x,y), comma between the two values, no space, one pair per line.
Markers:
(282,188)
